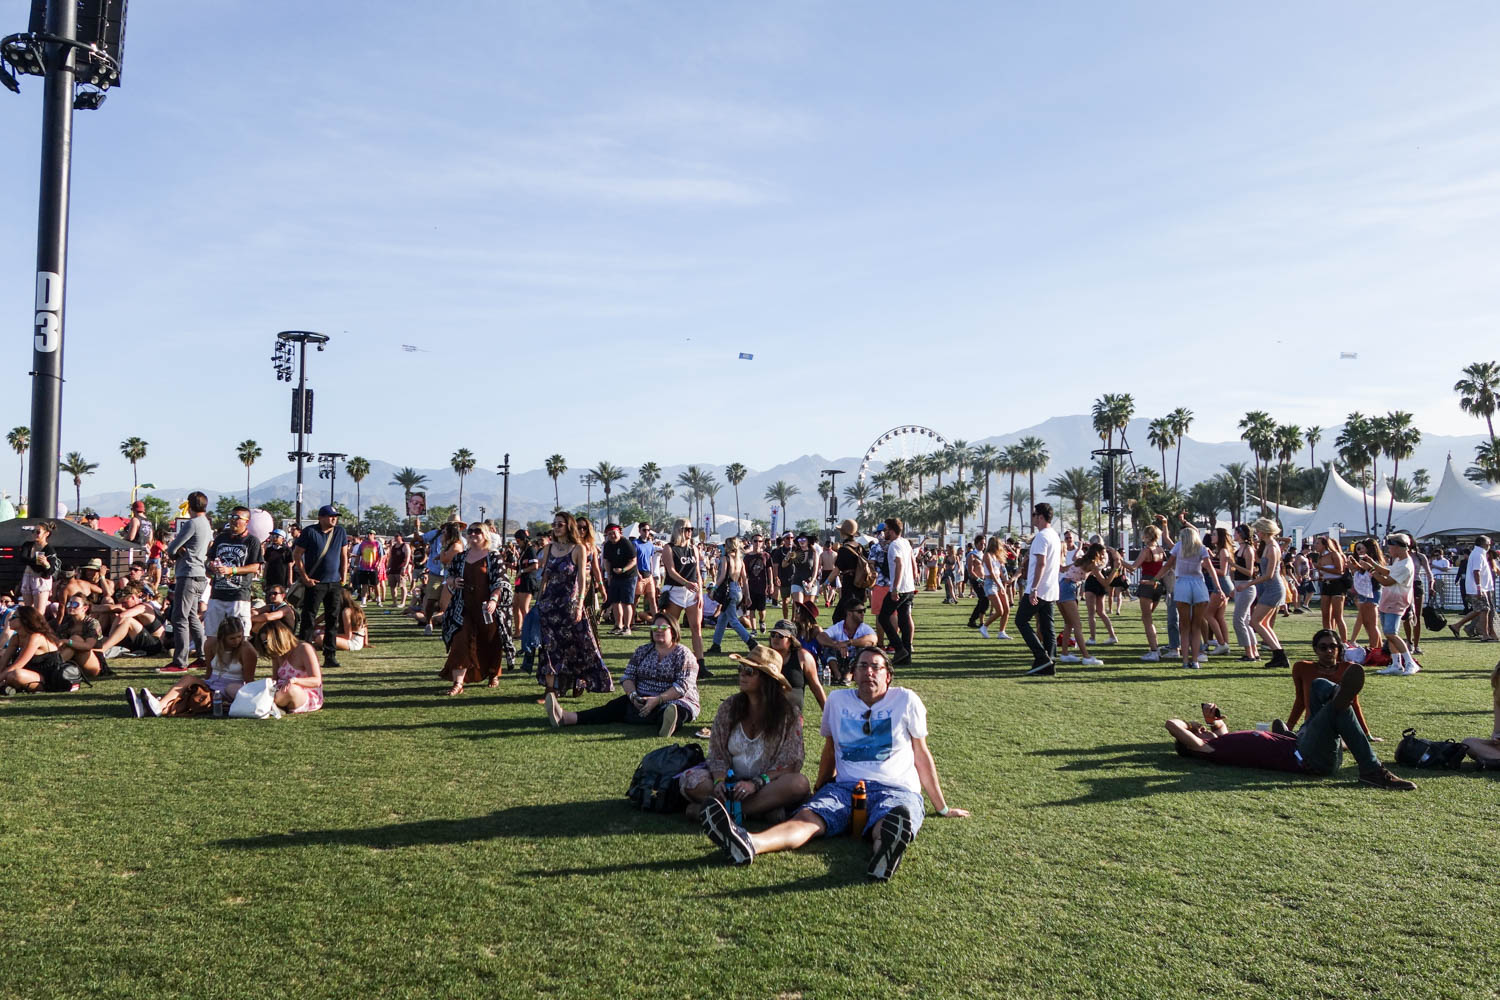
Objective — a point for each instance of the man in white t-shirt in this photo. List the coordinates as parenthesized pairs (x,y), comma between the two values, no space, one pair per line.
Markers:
(1043,566)
(895,611)
(1480,584)
(843,639)
(874,735)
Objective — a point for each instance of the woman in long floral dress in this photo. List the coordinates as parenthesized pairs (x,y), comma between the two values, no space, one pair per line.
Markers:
(570,661)
(477,648)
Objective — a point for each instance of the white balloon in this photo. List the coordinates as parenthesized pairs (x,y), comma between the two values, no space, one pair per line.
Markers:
(62,509)
(261,523)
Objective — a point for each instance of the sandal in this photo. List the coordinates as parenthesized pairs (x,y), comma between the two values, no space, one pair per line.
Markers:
(456,689)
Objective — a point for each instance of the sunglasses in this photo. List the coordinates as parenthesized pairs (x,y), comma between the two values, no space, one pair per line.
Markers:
(747,671)
(867,729)
(476,533)
(72,605)
(661,628)
(1326,645)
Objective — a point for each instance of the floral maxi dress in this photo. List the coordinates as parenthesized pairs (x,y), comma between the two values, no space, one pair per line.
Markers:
(570,657)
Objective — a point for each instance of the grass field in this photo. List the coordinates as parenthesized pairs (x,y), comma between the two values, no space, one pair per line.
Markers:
(402,844)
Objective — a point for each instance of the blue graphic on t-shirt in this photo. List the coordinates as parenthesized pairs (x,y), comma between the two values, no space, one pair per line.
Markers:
(855,744)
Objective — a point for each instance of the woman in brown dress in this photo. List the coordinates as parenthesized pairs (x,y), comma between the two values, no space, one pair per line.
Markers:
(476,627)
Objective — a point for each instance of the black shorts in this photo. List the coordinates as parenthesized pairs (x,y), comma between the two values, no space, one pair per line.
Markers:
(144,643)
(757,601)
(1337,587)
(366,578)
(1120,583)
(622,588)
(1093,586)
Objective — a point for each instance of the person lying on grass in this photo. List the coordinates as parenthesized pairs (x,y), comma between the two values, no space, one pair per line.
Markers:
(660,685)
(758,734)
(1330,665)
(1487,752)
(875,734)
(1311,751)
(230,667)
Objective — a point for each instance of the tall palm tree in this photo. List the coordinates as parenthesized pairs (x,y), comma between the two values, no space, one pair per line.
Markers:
(1353,444)
(1013,461)
(736,473)
(1401,440)
(901,473)
(666,492)
(1034,453)
(75,466)
(1181,420)
(1486,467)
(825,490)
(1288,441)
(1233,478)
(1159,436)
(19,439)
(1258,430)
(134,449)
(247,452)
(608,475)
(859,494)
(1018,498)
(1478,391)
(1312,436)
(463,463)
(961,454)
(358,468)
(781,493)
(555,465)
(1077,486)
(694,483)
(648,474)
(410,480)
(985,462)
(1420,480)
(711,488)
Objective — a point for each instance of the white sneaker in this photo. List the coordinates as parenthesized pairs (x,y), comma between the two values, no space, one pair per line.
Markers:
(1001,635)
(151,702)
(1070,658)
(1203,657)
(1191,665)
(1092,661)
(984,631)
(1223,650)
(427,629)
(1411,668)
(1394,668)
(1152,657)
(1170,652)
(1109,642)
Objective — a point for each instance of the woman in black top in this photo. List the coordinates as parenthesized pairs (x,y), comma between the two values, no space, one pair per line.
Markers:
(684,570)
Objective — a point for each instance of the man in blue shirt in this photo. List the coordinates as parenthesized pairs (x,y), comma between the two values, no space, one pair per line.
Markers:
(322,565)
(645,566)
(432,591)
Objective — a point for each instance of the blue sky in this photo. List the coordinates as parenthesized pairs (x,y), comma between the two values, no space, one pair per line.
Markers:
(969,216)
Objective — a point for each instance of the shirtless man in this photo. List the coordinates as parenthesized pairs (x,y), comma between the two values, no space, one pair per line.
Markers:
(828,577)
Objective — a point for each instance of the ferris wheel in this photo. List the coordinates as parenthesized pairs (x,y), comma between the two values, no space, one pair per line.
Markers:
(906,441)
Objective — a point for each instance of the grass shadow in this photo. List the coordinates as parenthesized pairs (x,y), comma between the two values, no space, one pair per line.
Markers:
(564,819)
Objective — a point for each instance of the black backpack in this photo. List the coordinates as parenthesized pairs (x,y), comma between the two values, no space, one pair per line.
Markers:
(1433,619)
(1413,751)
(653,787)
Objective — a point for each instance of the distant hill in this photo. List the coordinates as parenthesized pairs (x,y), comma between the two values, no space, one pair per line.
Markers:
(1069,439)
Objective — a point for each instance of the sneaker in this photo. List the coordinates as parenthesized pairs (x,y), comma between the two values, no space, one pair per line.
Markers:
(704,674)
(427,629)
(331,662)
(668,721)
(134,702)
(1002,635)
(1202,657)
(1092,661)
(714,650)
(172,668)
(151,703)
(733,840)
(1191,665)
(1170,652)
(1069,658)
(901,659)
(1281,728)
(554,710)
(1152,657)
(1416,651)
(1110,641)
(895,835)
(1411,668)
(1394,668)
(1381,778)
(1042,670)
(984,631)
(114,652)
(1223,650)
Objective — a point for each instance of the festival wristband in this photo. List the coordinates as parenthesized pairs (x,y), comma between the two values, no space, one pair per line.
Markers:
(944,811)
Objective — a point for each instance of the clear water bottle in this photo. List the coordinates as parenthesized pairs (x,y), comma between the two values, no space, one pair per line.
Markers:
(218,704)
(736,808)
(485,614)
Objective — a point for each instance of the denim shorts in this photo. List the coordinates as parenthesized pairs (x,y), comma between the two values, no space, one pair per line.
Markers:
(1270,594)
(1390,623)
(622,588)
(1067,590)
(991,588)
(834,804)
(1190,590)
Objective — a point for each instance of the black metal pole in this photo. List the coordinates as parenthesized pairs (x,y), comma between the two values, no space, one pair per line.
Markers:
(51,261)
(333,475)
(301,422)
(505,493)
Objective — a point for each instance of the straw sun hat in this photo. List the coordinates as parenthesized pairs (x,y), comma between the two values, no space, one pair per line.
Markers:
(767,661)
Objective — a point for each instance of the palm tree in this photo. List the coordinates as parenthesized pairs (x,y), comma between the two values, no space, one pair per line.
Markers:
(1420,480)
(358,468)
(1486,467)
(901,473)
(825,490)
(555,465)
(608,475)
(1181,419)
(859,494)
(1077,486)
(1034,454)
(75,466)
(648,474)
(1233,478)
(1353,444)
(961,455)
(1159,436)
(410,480)
(736,473)
(1017,498)
(711,487)
(19,440)
(463,463)
(1312,435)
(1012,461)
(1478,391)
(666,492)
(1401,440)
(986,461)
(134,449)
(1258,430)
(781,492)
(1288,440)
(694,483)
(247,452)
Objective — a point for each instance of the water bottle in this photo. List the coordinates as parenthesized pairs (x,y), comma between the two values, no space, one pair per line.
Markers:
(485,614)
(218,704)
(861,811)
(736,808)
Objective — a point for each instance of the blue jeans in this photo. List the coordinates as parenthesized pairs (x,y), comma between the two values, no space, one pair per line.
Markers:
(531,630)
(729,615)
(1172,634)
(1318,739)
(834,804)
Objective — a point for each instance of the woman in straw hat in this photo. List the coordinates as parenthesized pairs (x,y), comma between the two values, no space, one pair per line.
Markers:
(758,735)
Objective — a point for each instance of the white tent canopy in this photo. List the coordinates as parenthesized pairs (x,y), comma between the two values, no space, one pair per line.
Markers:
(1344,507)
(1460,508)
(1293,518)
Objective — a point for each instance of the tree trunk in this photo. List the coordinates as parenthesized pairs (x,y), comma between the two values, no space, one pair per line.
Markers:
(986,501)
(556,503)
(460,496)
(1177,469)
(1009,505)
(1390,510)
(247,486)
(737,516)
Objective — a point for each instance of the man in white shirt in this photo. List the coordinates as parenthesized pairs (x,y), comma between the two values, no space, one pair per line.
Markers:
(895,612)
(1481,587)
(843,639)
(874,735)
(1043,566)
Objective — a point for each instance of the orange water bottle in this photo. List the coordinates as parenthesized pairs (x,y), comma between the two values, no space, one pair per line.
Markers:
(860,816)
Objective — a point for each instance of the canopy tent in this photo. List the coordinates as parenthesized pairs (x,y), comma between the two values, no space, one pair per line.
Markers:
(1293,518)
(1460,508)
(1344,507)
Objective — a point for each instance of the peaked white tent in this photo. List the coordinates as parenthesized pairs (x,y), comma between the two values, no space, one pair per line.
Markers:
(1460,507)
(1344,506)
(1293,518)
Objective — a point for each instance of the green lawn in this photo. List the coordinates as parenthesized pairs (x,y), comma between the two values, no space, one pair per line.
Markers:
(402,844)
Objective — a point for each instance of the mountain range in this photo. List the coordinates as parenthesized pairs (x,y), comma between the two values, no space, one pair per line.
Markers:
(1069,440)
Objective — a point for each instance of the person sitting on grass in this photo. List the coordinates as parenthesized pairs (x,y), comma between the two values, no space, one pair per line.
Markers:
(1330,665)
(758,735)
(139,630)
(354,629)
(660,685)
(875,735)
(82,637)
(842,640)
(276,609)
(230,667)
(294,665)
(1313,750)
(798,666)
(1487,751)
(29,660)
